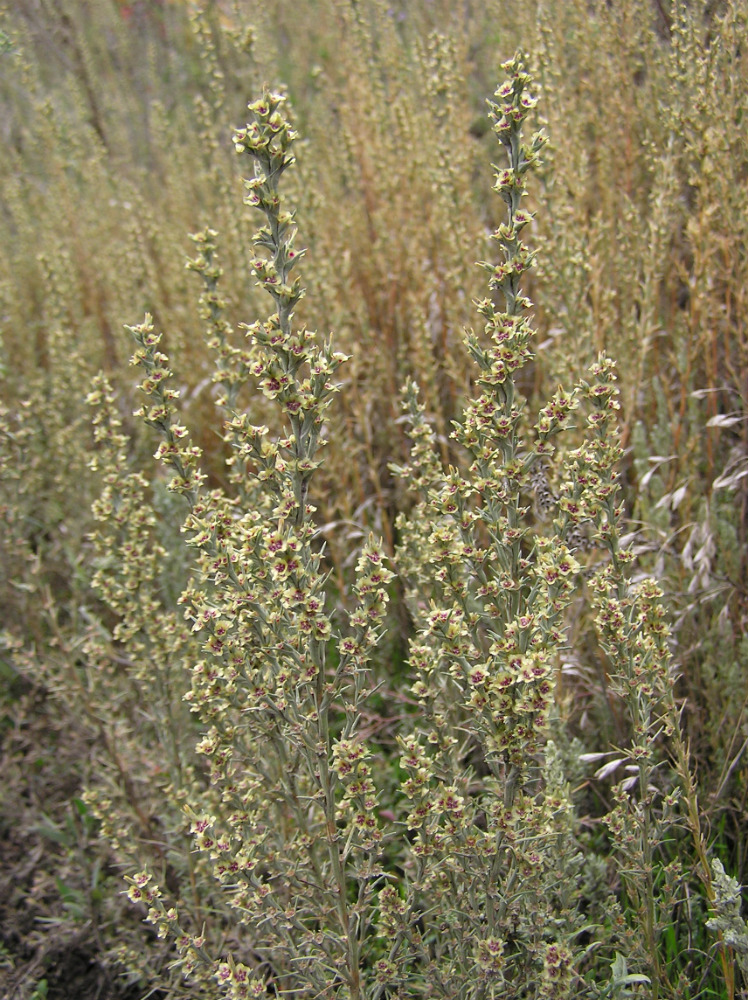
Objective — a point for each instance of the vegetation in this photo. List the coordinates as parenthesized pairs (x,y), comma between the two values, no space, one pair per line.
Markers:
(372,620)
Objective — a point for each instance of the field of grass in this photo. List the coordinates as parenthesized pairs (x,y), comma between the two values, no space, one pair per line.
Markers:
(374,499)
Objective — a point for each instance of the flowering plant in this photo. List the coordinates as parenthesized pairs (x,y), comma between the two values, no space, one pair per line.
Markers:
(446,861)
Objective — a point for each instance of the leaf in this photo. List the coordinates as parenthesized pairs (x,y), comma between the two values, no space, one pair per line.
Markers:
(723,482)
(50,831)
(607,769)
(678,496)
(656,461)
(647,476)
(622,976)
(73,900)
(619,967)
(726,419)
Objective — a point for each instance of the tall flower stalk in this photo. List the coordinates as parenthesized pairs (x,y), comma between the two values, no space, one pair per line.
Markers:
(288,822)
(488,806)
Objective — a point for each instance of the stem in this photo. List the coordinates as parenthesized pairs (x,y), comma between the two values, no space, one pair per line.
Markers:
(327,785)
